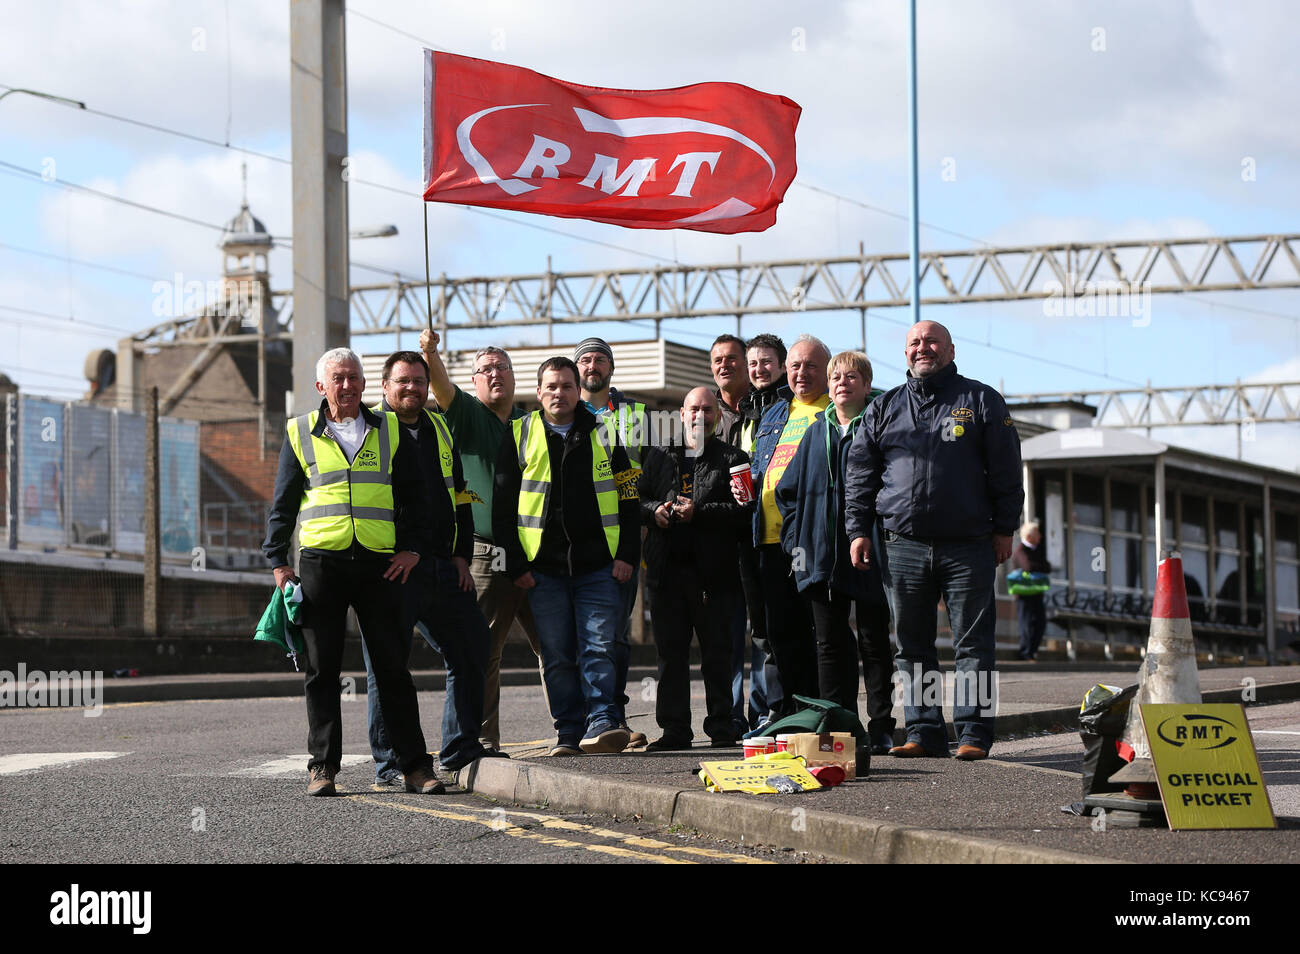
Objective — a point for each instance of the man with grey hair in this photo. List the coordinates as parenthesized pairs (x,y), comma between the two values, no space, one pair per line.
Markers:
(789,624)
(351,479)
(479,423)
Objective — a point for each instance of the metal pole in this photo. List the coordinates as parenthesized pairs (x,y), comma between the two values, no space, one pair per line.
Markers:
(915,239)
(1029,494)
(1159,510)
(152,555)
(1270,579)
(11,462)
(428,284)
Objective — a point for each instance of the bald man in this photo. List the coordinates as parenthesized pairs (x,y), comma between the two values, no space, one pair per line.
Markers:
(937,462)
(692,558)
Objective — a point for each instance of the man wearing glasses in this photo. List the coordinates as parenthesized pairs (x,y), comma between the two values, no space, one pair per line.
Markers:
(479,423)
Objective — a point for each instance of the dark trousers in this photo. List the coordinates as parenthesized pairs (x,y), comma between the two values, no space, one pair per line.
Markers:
(450,622)
(837,656)
(877,668)
(789,632)
(330,585)
(679,605)
(1032,614)
(762,667)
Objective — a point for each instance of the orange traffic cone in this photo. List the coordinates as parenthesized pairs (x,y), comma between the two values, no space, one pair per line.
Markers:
(1168,674)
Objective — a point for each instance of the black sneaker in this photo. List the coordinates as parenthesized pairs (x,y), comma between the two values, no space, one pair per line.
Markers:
(669,744)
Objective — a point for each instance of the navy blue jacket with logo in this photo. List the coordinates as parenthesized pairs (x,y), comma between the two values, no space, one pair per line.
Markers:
(935,458)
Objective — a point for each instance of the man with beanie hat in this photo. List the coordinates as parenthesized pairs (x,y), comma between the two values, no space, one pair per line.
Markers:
(628,426)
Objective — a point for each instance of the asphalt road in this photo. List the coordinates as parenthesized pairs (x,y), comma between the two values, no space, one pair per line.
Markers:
(224,781)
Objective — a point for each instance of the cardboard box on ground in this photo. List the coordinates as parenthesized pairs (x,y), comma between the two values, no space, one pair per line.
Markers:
(828,748)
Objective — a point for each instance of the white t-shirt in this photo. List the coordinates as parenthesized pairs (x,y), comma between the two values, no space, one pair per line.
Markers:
(561,429)
(350,433)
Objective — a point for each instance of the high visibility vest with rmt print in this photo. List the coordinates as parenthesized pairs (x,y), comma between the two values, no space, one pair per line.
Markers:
(446,449)
(535,487)
(344,501)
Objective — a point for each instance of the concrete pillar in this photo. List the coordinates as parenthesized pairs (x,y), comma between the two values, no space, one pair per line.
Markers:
(125,376)
(318,95)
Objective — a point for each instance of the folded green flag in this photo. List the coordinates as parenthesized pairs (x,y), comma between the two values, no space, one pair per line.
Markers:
(282,622)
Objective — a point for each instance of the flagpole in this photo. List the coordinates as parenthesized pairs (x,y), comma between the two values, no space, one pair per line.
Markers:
(915,242)
(428,292)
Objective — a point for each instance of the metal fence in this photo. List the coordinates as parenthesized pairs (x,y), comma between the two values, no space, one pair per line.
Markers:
(73,512)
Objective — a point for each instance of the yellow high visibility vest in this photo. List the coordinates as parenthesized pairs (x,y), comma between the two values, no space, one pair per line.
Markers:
(535,487)
(747,437)
(341,500)
(628,426)
(445,448)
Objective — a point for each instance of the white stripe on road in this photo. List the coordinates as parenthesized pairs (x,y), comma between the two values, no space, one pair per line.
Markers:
(293,765)
(1273,732)
(29,761)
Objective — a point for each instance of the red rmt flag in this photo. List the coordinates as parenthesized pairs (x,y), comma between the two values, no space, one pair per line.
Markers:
(715,157)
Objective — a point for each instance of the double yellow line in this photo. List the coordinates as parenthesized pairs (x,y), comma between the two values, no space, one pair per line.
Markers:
(495,819)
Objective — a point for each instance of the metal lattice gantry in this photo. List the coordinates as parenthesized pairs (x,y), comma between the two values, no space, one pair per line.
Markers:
(1242,404)
(829,284)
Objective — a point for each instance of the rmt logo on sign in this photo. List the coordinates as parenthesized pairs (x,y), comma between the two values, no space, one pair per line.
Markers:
(1197,731)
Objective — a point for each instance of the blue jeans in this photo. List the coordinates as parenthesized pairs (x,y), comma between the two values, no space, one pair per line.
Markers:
(577,621)
(450,621)
(917,573)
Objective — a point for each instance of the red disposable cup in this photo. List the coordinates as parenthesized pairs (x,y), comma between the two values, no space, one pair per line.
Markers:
(743,482)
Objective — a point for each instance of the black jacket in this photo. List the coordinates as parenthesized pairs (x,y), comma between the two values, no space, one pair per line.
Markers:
(444,521)
(936,458)
(573,541)
(410,500)
(709,543)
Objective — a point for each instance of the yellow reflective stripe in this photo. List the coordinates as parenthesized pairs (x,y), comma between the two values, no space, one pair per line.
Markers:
(372,513)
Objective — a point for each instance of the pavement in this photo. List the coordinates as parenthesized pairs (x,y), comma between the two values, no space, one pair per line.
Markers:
(1005,809)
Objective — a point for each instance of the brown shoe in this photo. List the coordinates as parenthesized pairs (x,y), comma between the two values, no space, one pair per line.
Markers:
(423,781)
(914,750)
(322,781)
(971,753)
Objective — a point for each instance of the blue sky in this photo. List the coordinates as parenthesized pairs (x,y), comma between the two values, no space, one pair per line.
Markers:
(1055,132)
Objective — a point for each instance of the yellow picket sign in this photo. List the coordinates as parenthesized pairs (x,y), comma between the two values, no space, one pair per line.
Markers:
(752,776)
(1206,766)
